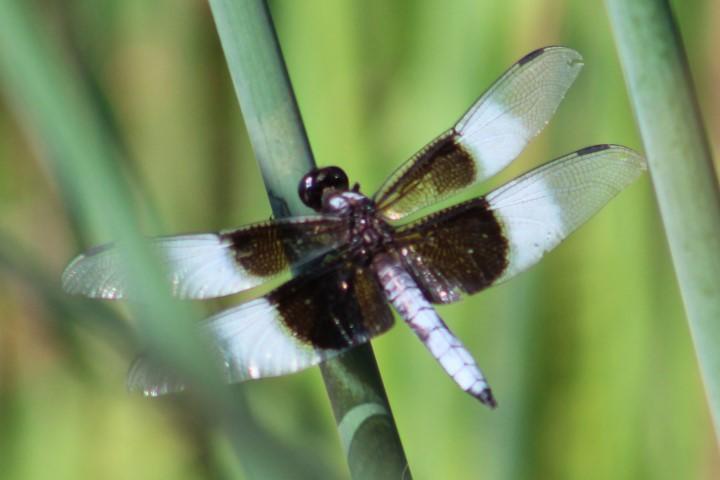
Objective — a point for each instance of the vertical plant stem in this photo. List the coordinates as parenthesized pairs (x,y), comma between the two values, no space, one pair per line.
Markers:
(365,423)
(685,181)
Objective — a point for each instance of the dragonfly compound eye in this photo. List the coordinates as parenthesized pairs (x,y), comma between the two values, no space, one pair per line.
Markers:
(314,184)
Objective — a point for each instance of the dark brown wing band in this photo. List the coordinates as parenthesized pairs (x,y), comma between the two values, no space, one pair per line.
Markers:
(458,250)
(440,169)
(334,307)
(270,248)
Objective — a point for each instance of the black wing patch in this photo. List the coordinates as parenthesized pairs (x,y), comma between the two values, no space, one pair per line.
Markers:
(461,249)
(441,168)
(340,308)
(267,249)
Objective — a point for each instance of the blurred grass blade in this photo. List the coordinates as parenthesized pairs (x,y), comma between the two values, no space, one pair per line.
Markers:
(47,95)
(21,264)
(280,144)
(685,181)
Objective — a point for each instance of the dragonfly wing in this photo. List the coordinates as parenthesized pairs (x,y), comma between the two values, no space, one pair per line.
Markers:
(487,240)
(213,264)
(303,322)
(488,137)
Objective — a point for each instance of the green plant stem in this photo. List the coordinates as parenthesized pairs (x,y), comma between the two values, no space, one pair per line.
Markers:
(685,181)
(366,426)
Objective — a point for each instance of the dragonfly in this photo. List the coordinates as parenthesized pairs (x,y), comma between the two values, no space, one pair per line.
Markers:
(357,255)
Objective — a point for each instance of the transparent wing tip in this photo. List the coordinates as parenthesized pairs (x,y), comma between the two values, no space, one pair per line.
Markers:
(69,276)
(86,275)
(619,151)
(574,58)
(151,380)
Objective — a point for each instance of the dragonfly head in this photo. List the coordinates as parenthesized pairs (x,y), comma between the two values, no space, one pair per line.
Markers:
(321,181)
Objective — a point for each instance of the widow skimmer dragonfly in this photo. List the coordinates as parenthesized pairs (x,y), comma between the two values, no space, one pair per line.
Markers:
(354,257)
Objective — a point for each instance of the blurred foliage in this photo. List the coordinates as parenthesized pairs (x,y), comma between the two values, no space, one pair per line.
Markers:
(588,353)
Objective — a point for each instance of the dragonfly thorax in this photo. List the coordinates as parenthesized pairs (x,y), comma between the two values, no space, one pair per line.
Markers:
(346,203)
(368,231)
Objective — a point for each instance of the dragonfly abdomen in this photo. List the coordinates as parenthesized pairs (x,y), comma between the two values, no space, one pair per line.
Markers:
(407,299)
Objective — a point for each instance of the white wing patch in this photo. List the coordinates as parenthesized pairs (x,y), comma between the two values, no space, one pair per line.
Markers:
(494,138)
(517,107)
(539,209)
(251,342)
(198,266)
(254,343)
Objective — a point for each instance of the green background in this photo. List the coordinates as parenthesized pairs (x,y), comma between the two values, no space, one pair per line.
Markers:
(588,353)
